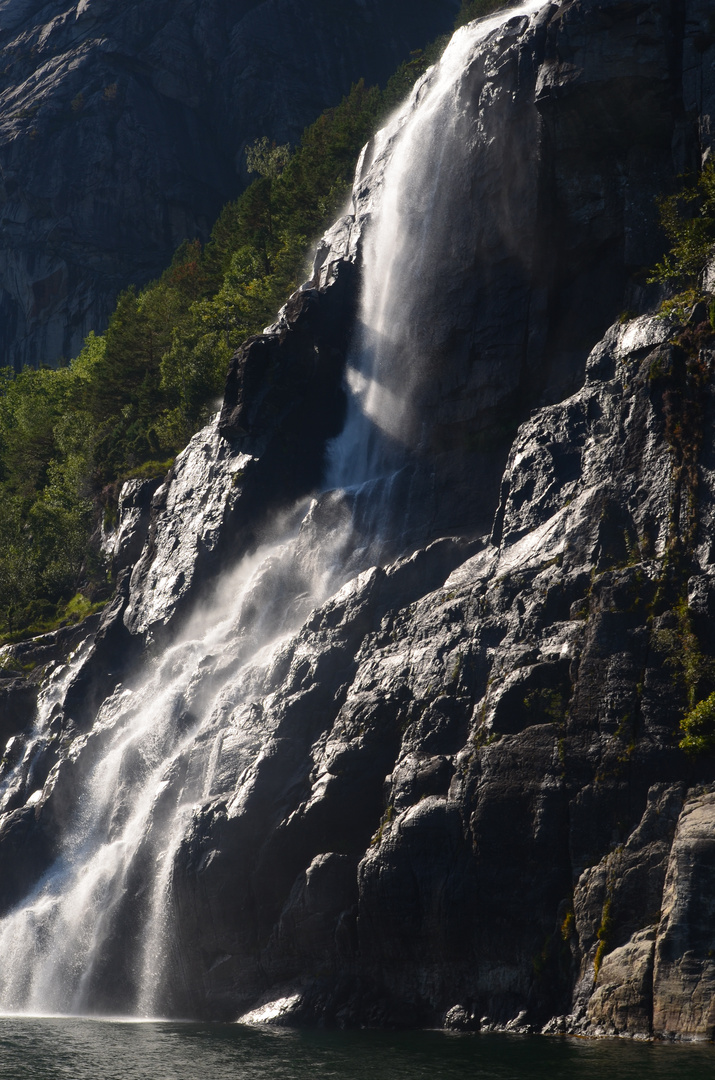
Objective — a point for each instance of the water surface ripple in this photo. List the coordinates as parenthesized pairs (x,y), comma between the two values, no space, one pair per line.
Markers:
(76,1049)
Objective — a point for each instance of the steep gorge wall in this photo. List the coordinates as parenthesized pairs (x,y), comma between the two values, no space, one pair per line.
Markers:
(455,795)
(123,129)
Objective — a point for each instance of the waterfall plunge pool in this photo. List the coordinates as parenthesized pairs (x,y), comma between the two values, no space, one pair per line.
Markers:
(65,1048)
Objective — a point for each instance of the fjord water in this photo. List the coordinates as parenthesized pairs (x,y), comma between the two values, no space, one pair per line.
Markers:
(70,1049)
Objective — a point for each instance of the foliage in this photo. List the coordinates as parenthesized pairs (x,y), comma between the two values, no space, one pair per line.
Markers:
(407,74)
(685,655)
(603,935)
(545,705)
(696,672)
(688,220)
(568,926)
(698,727)
(45,463)
(267,159)
(134,396)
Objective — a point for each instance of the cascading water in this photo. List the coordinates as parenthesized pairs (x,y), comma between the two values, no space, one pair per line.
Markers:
(415,250)
(410,240)
(94,935)
(91,937)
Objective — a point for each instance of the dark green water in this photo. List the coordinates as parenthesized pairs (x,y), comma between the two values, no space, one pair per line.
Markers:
(34,1049)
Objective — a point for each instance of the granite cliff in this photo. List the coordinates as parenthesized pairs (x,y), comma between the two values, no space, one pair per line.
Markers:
(406,750)
(123,129)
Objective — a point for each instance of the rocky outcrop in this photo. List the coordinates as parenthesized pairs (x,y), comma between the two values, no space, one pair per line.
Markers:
(471,803)
(446,789)
(123,129)
(527,835)
(684,969)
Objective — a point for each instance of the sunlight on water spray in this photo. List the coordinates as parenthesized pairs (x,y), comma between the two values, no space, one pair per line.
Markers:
(404,246)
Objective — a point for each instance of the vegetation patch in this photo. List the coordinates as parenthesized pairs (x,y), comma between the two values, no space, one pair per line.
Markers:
(688,219)
(387,818)
(42,617)
(12,665)
(603,934)
(547,706)
(568,926)
(695,671)
(698,727)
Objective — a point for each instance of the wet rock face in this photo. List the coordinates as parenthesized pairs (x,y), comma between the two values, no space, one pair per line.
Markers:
(456,795)
(289,381)
(122,132)
(478,812)
(684,975)
(127,542)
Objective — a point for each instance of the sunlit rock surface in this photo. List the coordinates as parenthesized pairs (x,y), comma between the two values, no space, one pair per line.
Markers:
(445,789)
(492,767)
(684,976)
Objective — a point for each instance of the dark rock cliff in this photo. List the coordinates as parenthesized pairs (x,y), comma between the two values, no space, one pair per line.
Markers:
(123,128)
(455,794)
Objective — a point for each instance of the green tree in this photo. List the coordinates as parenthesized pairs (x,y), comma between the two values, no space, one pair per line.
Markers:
(688,220)
(698,728)
(267,159)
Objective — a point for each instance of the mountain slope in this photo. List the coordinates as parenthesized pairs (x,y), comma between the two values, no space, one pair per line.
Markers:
(123,129)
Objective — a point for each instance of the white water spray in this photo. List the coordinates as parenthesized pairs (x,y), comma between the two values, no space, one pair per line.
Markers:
(408,244)
(155,750)
(94,935)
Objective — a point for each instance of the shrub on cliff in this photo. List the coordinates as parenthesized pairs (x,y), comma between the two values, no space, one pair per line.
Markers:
(688,220)
(698,728)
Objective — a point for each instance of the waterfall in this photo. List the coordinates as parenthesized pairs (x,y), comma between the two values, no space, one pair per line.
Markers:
(420,159)
(72,946)
(94,934)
